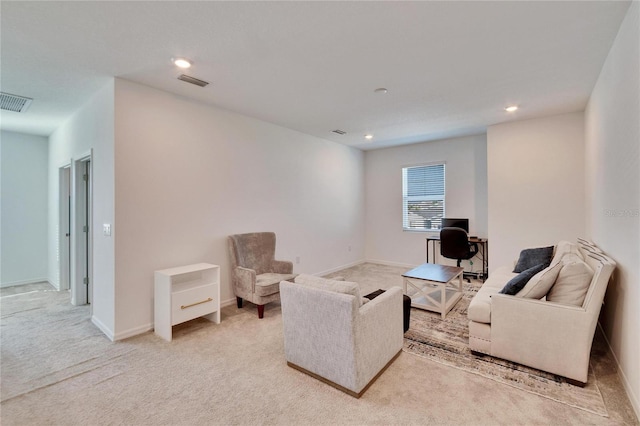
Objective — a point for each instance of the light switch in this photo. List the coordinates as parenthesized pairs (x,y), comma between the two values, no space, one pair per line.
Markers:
(106,229)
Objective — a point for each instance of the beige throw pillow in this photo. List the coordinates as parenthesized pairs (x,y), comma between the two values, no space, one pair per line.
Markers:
(540,283)
(572,283)
(563,248)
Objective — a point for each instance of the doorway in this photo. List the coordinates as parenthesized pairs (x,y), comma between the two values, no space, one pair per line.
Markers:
(64,227)
(81,235)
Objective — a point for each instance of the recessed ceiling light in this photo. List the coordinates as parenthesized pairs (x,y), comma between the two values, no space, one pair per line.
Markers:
(511,108)
(182,63)
(368,137)
(380,90)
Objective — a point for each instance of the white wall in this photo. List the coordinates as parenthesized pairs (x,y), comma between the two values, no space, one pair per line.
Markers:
(188,175)
(613,188)
(91,128)
(23,229)
(466,182)
(535,183)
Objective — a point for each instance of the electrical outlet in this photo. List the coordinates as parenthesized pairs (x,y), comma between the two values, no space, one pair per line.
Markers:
(297,260)
(106,229)
(349,248)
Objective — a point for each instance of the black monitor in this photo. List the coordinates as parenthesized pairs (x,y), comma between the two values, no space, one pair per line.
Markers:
(455,223)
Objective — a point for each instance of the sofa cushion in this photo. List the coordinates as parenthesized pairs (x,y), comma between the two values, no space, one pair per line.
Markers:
(518,282)
(480,306)
(572,283)
(565,247)
(269,283)
(345,287)
(532,257)
(539,285)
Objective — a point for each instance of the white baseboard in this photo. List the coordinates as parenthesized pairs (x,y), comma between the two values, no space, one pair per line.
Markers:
(133,331)
(384,262)
(229,302)
(635,403)
(122,335)
(102,327)
(339,268)
(23,282)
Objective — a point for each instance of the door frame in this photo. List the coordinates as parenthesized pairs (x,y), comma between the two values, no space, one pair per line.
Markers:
(64,226)
(81,259)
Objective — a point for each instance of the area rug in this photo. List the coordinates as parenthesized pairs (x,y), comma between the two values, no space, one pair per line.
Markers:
(447,342)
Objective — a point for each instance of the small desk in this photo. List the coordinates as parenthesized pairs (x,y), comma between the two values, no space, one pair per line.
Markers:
(184,293)
(435,285)
(483,244)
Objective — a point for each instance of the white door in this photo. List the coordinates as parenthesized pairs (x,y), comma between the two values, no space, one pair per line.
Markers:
(81,233)
(64,228)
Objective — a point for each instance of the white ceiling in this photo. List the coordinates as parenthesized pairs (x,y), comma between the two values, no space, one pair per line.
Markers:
(450,67)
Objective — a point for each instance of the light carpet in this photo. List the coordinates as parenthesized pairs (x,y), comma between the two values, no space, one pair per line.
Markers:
(447,342)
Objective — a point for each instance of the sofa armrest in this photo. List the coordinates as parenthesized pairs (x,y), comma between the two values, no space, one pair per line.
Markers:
(282,267)
(546,335)
(379,333)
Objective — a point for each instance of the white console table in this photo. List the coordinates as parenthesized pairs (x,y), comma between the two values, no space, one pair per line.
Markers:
(184,293)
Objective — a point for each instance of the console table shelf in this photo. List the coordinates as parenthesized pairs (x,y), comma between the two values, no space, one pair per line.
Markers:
(184,293)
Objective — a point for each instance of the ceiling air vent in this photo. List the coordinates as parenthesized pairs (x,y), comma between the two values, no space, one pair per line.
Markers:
(193,80)
(339,132)
(14,103)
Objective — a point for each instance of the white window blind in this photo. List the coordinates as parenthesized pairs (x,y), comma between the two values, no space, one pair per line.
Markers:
(422,197)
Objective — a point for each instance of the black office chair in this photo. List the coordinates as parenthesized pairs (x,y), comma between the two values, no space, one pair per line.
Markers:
(454,244)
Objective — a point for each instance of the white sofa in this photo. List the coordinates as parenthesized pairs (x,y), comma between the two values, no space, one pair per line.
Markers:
(553,336)
(332,334)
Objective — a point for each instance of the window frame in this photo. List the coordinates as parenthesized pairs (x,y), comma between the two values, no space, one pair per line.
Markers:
(407,198)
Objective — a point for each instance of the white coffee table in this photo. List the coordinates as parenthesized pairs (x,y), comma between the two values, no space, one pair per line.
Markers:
(436,287)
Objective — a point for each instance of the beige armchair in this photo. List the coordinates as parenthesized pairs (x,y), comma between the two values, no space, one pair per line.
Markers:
(330,334)
(255,274)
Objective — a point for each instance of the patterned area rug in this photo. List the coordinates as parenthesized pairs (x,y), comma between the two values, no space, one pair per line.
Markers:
(447,342)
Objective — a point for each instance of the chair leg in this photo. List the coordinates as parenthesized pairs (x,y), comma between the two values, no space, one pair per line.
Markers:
(260,311)
(239,302)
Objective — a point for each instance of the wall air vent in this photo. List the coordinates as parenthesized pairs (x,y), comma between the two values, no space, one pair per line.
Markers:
(193,80)
(14,103)
(339,132)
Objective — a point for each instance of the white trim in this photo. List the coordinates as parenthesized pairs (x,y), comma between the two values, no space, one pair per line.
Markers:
(64,240)
(133,332)
(102,327)
(30,281)
(421,164)
(635,403)
(80,293)
(123,334)
(339,268)
(406,199)
(384,262)
(84,156)
(227,302)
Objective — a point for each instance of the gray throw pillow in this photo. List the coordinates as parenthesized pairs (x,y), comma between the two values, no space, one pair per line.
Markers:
(532,257)
(518,282)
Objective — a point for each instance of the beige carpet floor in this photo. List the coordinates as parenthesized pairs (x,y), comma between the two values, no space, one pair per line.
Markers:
(57,368)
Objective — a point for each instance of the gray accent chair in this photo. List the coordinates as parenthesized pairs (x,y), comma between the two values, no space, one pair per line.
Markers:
(255,274)
(331,335)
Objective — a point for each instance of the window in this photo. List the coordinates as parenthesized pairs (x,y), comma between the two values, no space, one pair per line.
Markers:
(423,197)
